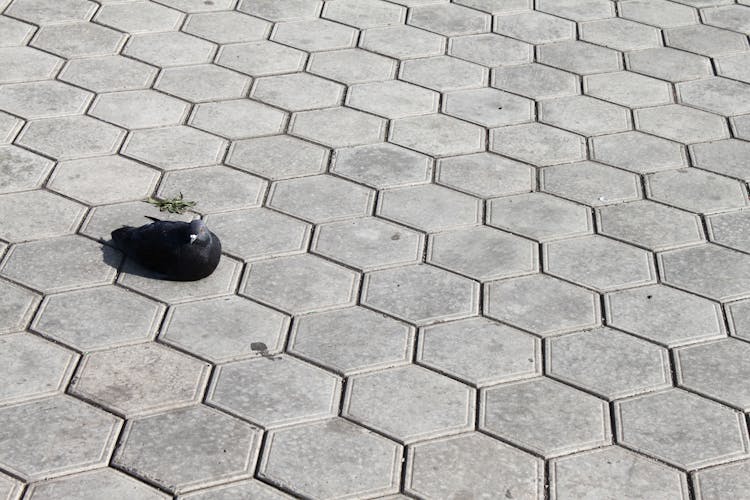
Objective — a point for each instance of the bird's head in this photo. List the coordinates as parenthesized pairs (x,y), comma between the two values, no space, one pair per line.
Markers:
(199,232)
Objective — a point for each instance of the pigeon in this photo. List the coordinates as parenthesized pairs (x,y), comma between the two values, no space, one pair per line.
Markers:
(182,251)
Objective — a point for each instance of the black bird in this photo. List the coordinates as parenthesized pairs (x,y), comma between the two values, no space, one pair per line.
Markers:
(182,251)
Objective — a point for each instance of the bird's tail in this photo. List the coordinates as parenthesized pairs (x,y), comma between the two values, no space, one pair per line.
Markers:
(121,236)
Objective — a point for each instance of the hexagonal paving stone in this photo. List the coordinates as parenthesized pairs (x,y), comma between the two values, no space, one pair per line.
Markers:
(300,284)
(140,379)
(32,215)
(709,270)
(108,73)
(204,82)
(664,315)
(591,183)
(479,351)
(726,157)
(599,263)
(659,13)
(718,95)
(365,13)
(273,392)
(741,126)
(44,12)
(437,135)
(238,119)
(314,35)
(21,170)
(654,424)
(71,40)
(681,123)
(251,488)
(580,57)
(717,370)
(485,175)
(650,224)
(449,20)
(584,115)
(491,50)
(170,48)
(614,471)
(273,11)
(43,99)
(297,91)
(259,233)
(139,109)
(609,363)
(368,243)
(99,483)
(59,264)
(14,32)
(638,152)
(278,157)
(620,34)
(488,107)
(410,403)
(55,436)
(338,127)
(382,165)
(261,58)
(542,305)
(215,188)
(695,190)
(730,229)
(207,447)
(171,148)
(733,17)
(9,127)
(717,482)
(535,80)
(372,340)
(139,17)
(534,27)
(400,293)
(350,66)
(402,42)
(32,367)
(472,464)
(104,179)
(538,144)
(321,198)
(444,73)
(340,459)
(483,253)
(628,89)
(16,308)
(706,40)
(734,66)
(539,216)
(225,329)
(98,318)
(578,10)
(393,99)
(545,416)
(669,64)
(430,208)
(25,63)
(222,282)
(227,27)
(71,137)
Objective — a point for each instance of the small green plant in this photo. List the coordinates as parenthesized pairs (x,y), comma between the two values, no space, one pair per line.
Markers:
(174,205)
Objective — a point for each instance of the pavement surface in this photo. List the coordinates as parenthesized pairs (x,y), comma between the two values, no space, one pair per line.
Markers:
(487,249)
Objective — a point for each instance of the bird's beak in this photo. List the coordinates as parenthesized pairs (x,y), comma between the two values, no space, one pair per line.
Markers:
(192,238)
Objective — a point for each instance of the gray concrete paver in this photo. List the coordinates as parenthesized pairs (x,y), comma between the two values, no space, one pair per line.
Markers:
(457,235)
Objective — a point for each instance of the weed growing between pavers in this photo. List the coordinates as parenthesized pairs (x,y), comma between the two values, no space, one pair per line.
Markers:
(174,205)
